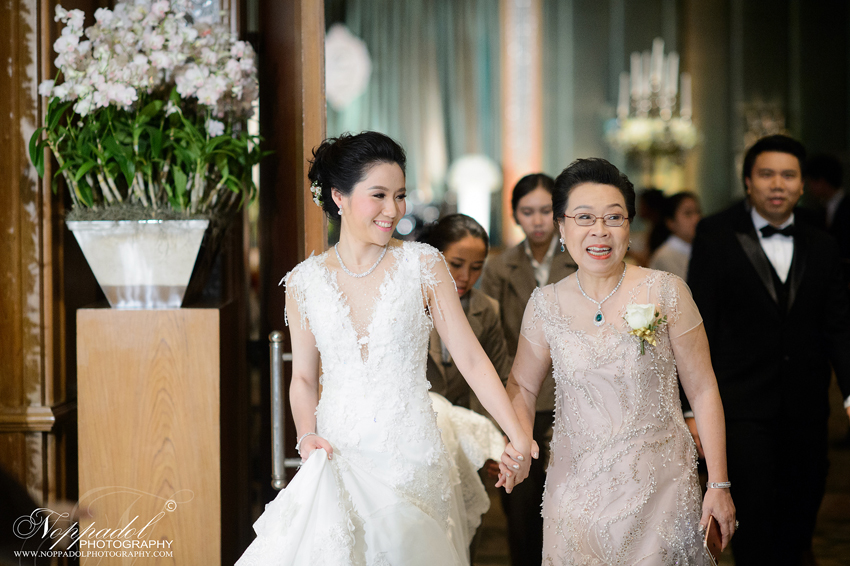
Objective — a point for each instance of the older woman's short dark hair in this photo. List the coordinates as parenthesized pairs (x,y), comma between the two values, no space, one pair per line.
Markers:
(590,170)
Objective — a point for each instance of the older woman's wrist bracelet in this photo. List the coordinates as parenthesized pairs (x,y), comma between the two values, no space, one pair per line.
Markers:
(719,485)
(303,436)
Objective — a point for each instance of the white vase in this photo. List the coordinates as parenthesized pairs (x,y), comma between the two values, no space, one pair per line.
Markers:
(141,264)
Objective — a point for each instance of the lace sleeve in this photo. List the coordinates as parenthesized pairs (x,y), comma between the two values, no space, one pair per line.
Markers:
(682,313)
(294,308)
(434,277)
(533,318)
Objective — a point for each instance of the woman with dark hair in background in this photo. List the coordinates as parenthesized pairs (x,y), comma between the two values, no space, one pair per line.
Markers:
(510,278)
(643,243)
(377,484)
(680,215)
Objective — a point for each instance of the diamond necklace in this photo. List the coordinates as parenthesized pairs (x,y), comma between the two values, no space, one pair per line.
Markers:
(365,273)
(599,318)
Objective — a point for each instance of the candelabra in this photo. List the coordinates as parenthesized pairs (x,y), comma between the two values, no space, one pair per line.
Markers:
(653,112)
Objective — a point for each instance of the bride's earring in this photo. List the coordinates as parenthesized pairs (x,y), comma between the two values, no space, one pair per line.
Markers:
(630,245)
(563,249)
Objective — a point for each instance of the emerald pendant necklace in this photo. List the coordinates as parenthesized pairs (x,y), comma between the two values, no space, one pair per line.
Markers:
(599,318)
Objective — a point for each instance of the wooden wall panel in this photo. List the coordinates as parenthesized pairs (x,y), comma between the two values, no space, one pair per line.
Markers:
(37,386)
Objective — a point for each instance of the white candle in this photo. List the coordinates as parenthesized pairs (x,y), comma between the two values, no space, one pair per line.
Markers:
(636,75)
(645,75)
(657,60)
(685,104)
(673,74)
(623,102)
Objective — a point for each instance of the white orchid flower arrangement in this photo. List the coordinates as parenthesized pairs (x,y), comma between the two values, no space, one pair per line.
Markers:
(148,109)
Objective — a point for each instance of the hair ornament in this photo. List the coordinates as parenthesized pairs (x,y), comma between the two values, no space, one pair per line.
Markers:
(316,189)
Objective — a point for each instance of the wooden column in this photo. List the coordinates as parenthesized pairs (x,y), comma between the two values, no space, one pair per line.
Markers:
(292,121)
(159,408)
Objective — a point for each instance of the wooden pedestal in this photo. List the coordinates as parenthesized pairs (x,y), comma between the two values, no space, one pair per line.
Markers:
(159,405)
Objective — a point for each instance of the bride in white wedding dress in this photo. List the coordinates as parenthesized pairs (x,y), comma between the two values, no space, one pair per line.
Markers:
(377,486)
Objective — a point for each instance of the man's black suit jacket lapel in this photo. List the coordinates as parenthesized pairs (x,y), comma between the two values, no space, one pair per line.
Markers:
(798,264)
(745,231)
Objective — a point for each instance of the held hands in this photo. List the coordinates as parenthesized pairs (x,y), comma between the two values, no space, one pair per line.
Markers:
(314,442)
(515,464)
(718,503)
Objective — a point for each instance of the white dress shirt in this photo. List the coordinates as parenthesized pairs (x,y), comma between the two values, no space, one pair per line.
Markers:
(779,249)
(542,268)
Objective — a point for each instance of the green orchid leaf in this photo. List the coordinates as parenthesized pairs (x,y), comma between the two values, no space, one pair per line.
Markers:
(67,165)
(57,112)
(150,110)
(180,181)
(34,143)
(85,194)
(156,141)
(84,168)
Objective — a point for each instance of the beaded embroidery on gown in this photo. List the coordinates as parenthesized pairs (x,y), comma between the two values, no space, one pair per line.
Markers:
(391,495)
(621,485)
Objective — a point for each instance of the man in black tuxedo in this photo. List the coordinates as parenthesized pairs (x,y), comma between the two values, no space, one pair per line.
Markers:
(777,314)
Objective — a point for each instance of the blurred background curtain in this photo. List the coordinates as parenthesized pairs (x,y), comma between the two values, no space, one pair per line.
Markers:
(434,85)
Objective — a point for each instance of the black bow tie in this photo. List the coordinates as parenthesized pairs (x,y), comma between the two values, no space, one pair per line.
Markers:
(768,231)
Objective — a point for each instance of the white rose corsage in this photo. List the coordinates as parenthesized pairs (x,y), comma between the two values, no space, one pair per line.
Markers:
(644,321)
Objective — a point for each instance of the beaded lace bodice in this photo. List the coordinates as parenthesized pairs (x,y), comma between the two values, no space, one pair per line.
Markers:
(372,335)
(621,485)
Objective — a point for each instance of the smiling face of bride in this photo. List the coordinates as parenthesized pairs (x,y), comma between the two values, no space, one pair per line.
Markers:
(371,211)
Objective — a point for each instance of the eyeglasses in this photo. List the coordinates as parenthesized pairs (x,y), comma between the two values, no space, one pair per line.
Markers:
(610,220)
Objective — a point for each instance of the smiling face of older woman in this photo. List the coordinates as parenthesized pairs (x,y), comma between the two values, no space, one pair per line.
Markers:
(598,249)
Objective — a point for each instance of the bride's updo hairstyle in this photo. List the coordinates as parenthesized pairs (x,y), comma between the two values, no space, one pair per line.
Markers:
(590,170)
(340,163)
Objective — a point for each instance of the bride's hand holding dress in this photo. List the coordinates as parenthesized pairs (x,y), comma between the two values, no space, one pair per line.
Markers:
(304,386)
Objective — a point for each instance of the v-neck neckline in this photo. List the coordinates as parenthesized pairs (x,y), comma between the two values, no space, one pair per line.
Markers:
(332,280)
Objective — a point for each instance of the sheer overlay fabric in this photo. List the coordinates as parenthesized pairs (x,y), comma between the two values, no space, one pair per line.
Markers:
(392,494)
(622,479)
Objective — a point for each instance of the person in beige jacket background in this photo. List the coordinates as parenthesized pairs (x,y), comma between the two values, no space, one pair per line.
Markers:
(510,278)
(464,243)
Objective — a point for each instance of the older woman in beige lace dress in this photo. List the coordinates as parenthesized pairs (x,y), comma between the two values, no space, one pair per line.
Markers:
(622,479)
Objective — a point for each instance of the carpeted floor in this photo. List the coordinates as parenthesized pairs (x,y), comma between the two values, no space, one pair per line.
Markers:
(832,538)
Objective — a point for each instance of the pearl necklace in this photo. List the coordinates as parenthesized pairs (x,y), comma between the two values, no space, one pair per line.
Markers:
(599,318)
(365,273)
